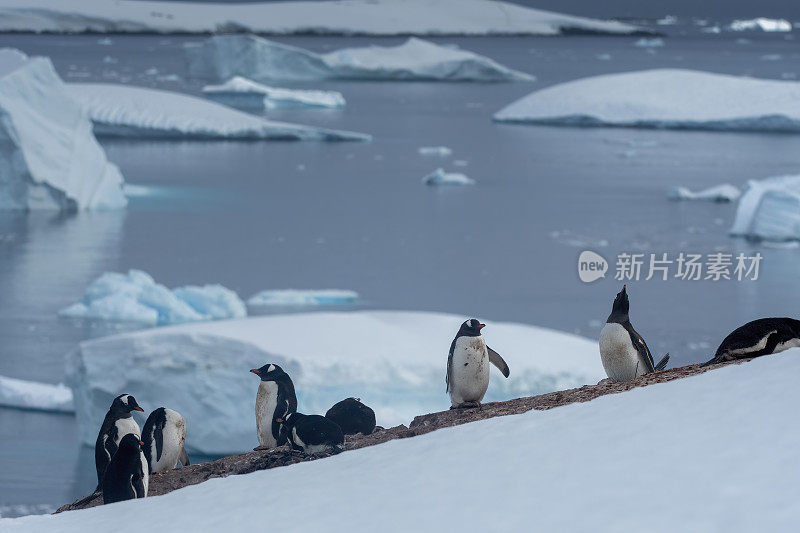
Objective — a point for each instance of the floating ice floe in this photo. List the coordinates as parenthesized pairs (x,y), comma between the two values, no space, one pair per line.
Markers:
(49,158)
(125,111)
(718,193)
(224,56)
(351,17)
(440,151)
(664,98)
(440,177)
(295,297)
(32,395)
(769,209)
(201,370)
(649,43)
(244,93)
(761,23)
(136,297)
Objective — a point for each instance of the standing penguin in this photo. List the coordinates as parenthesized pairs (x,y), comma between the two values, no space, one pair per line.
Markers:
(352,416)
(275,399)
(126,477)
(623,351)
(164,438)
(759,337)
(117,423)
(312,433)
(468,366)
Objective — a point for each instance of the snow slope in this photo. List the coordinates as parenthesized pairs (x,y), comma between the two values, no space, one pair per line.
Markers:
(769,209)
(49,158)
(21,394)
(713,452)
(223,56)
(244,93)
(394,361)
(369,17)
(125,111)
(664,98)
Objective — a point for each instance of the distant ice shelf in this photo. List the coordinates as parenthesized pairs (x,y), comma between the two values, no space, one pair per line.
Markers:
(248,94)
(718,193)
(769,209)
(296,297)
(33,395)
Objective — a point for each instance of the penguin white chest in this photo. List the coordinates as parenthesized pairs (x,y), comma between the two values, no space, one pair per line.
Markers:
(125,426)
(619,355)
(266,401)
(145,475)
(469,373)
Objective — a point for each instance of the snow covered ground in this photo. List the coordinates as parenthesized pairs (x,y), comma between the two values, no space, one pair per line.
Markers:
(440,177)
(664,98)
(248,94)
(719,193)
(713,452)
(347,17)
(297,297)
(394,361)
(36,396)
(125,111)
(769,209)
(49,158)
(224,56)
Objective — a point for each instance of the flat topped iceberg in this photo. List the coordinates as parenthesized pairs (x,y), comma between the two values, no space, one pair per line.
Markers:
(769,209)
(345,17)
(22,394)
(664,98)
(125,111)
(440,177)
(136,297)
(439,151)
(761,23)
(49,158)
(224,56)
(244,93)
(719,193)
(295,297)
(394,361)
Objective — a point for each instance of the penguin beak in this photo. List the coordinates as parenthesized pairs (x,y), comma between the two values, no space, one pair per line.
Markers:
(141,443)
(138,409)
(623,288)
(481,326)
(279,420)
(256,372)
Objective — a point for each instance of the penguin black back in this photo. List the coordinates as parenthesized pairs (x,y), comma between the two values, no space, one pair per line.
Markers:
(352,416)
(124,479)
(312,433)
(116,424)
(759,337)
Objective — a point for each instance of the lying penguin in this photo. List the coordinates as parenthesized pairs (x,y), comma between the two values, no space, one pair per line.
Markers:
(312,433)
(275,399)
(117,423)
(468,366)
(760,337)
(623,351)
(352,416)
(126,477)
(164,438)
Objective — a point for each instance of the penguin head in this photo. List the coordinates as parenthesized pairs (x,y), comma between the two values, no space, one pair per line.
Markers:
(471,328)
(621,304)
(270,372)
(130,443)
(124,404)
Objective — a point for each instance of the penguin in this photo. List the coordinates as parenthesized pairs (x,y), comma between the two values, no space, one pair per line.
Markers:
(759,337)
(468,366)
(126,477)
(312,433)
(117,423)
(352,416)
(623,351)
(275,399)
(164,438)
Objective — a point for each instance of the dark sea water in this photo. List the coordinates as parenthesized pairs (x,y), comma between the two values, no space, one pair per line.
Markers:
(258,215)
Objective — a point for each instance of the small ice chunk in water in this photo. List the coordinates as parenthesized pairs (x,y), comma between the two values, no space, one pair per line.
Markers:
(21,394)
(649,43)
(441,151)
(718,193)
(440,177)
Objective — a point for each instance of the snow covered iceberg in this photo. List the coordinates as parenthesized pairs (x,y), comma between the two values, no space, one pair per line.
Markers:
(201,370)
(248,94)
(761,23)
(664,98)
(224,56)
(440,177)
(296,297)
(22,394)
(136,297)
(346,17)
(769,209)
(125,111)
(719,193)
(49,158)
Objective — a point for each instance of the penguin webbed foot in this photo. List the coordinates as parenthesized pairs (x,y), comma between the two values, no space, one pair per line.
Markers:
(467,405)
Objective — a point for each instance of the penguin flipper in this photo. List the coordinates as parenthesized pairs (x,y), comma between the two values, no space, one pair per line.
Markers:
(184,457)
(158,436)
(138,486)
(498,361)
(644,352)
(663,363)
(450,365)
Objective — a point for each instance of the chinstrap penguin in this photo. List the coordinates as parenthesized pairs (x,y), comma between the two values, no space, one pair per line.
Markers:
(275,399)
(760,337)
(623,351)
(117,423)
(468,366)
(312,433)
(352,416)
(126,477)
(164,438)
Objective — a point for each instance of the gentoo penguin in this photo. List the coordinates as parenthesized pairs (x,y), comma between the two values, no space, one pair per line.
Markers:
(624,353)
(759,337)
(275,399)
(312,433)
(352,416)
(126,477)
(117,423)
(164,438)
(468,366)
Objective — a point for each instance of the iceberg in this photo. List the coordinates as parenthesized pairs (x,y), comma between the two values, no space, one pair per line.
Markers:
(663,98)
(440,151)
(125,111)
(649,43)
(22,394)
(49,158)
(769,209)
(248,94)
(224,56)
(201,370)
(293,297)
(347,17)
(136,297)
(440,177)
(761,23)
(718,193)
